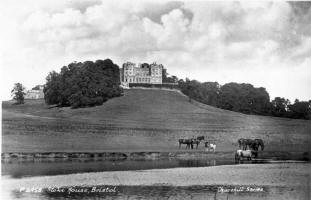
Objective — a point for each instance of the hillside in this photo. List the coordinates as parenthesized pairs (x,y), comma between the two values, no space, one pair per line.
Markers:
(141,120)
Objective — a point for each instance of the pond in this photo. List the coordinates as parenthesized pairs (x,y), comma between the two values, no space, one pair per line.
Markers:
(16,169)
(19,169)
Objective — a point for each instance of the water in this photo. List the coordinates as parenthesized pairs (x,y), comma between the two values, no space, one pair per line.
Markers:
(19,169)
(16,169)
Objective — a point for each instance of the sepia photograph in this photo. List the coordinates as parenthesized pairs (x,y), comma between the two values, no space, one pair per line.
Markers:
(146,99)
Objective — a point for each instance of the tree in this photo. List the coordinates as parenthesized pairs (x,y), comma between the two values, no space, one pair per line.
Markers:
(211,92)
(37,87)
(279,107)
(168,79)
(83,84)
(52,88)
(206,93)
(18,93)
(164,75)
(260,103)
(244,98)
(299,110)
(230,97)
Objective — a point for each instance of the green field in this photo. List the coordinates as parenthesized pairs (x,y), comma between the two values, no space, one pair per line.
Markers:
(142,120)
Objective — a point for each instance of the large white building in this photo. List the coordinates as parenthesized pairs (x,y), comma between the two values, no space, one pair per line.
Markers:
(141,73)
(36,93)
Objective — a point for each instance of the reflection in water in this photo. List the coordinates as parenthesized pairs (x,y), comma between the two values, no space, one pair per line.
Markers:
(17,169)
(211,162)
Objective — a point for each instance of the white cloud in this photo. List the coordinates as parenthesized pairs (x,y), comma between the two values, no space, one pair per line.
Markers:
(263,43)
(303,50)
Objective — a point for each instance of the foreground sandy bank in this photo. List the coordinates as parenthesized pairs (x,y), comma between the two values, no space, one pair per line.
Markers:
(277,174)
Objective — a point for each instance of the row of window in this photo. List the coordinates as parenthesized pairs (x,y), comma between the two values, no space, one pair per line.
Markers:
(143,74)
(138,80)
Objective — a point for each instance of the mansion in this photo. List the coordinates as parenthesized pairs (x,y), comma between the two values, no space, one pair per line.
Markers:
(141,73)
(35,93)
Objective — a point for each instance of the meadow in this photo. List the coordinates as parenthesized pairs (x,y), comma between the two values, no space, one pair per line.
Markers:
(142,120)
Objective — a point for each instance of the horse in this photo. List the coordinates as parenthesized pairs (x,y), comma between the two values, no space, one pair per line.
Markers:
(239,154)
(210,146)
(251,144)
(200,138)
(257,143)
(197,140)
(188,142)
(244,143)
(241,143)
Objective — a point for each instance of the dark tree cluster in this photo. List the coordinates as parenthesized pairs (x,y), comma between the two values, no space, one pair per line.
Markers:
(83,84)
(244,98)
(168,79)
(281,107)
(37,87)
(207,92)
(300,110)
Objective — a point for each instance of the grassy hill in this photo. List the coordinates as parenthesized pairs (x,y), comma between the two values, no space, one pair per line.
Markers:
(141,120)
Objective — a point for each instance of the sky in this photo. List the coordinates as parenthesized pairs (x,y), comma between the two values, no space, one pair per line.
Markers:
(267,44)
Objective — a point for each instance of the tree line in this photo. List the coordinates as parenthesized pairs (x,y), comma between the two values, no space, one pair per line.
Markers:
(241,97)
(92,83)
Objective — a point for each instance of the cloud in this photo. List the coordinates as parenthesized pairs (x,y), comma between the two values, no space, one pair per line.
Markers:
(251,42)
